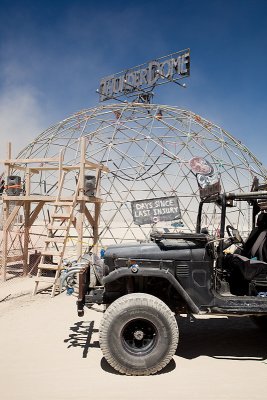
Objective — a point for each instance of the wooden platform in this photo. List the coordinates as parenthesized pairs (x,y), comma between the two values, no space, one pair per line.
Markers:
(32,203)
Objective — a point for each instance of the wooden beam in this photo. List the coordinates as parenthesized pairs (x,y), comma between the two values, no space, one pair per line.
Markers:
(60,186)
(28,160)
(5,241)
(82,165)
(11,216)
(20,168)
(90,199)
(97,212)
(64,167)
(88,165)
(27,208)
(79,228)
(27,182)
(60,164)
(98,180)
(89,216)
(91,165)
(33,171)
(48,168)
(50,199)
(55,167)
(96,228)
(14,258)
(35,213)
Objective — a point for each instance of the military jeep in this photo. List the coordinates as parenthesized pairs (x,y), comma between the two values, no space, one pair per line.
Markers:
(143,287)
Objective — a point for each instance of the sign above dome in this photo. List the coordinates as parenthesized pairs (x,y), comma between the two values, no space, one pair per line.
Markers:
(140,80)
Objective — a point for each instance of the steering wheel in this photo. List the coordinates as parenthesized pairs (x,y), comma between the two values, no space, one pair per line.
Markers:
(234,234)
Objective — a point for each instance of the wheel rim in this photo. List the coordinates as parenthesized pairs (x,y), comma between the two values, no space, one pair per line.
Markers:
(139,336)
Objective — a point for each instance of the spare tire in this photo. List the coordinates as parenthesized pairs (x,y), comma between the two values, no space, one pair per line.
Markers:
(138,334)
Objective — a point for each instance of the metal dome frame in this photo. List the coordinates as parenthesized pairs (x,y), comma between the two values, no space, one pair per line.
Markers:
(147,148)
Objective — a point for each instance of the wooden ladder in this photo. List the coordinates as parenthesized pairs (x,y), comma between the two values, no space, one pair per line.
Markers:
(56,245)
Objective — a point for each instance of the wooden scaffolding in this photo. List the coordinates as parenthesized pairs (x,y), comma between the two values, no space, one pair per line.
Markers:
(32,204)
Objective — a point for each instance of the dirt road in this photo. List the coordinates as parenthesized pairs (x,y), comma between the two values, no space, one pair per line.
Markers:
(48,353)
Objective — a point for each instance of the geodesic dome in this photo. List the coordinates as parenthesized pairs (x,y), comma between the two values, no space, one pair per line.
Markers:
(147,149)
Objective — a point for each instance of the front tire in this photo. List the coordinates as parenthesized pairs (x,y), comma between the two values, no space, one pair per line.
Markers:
(138,334)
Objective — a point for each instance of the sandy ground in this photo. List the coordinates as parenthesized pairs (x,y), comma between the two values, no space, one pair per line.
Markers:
(48,352)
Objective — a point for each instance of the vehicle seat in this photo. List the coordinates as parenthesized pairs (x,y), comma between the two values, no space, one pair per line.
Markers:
(249,269)
(256,243)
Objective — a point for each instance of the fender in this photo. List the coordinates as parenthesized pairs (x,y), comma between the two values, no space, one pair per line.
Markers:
(153,272)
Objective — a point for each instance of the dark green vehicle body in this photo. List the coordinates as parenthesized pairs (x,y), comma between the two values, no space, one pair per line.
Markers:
(188,272)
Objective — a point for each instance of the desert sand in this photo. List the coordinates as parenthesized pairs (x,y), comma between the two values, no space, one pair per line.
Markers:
(48,353)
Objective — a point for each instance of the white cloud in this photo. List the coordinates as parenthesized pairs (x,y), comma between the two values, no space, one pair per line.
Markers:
(21,118)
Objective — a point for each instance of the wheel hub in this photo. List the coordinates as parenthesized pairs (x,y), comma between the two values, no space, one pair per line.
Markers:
(139,335)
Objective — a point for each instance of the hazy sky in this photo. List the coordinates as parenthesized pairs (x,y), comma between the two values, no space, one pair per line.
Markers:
(53,54)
